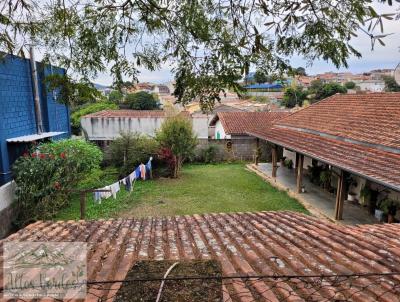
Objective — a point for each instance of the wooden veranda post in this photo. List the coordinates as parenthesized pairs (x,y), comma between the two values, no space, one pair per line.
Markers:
(297,163)
(274,160)
(83,204)
(257,151)
(341,188)
(299,171)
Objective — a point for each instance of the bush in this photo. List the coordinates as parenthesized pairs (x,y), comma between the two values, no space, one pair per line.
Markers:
(350,85)
(142,101)
(130,150)
(45,177)
(87,109)
(209,154)
(177,135)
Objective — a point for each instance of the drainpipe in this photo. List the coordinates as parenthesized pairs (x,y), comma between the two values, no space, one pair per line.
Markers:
(38,112)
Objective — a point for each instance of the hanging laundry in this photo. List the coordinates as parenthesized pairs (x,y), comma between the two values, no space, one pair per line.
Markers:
(128,184)
(148,168)
(137,173)
(115,189)
(142,171)
(97,197)
(132,176)
(105,195)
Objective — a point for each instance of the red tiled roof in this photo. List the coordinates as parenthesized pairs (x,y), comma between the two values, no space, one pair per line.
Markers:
(240,122)
(264,243)
(128,113)
(371,118)
(133,114)
(377,165)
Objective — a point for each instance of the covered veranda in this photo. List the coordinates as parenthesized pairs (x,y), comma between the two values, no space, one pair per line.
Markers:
(342,159)
(317,200)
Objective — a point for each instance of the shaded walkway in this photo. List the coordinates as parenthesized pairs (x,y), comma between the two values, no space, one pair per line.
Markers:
(316,200)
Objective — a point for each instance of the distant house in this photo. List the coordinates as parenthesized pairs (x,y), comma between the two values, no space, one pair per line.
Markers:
(231,129)
(228,125)
(20,126)
(107,125)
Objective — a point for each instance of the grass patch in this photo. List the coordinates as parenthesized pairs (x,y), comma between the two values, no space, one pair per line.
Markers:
(200,189)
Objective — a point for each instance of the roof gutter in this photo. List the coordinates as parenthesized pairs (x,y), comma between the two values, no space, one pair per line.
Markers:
(393,187)
(38,111)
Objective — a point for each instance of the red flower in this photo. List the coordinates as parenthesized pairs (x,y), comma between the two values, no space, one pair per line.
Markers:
(57,185)
(25,154)
(62,155)
(42,156)
(33,155)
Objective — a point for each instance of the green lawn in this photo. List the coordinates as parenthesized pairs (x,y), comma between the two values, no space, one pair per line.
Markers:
(200,189)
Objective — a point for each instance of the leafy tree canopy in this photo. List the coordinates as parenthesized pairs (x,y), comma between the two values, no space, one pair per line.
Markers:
(390,84)
(142,101)
(176,135)
(328,90)
(115,96)
(260,77)
(212,44)
(294,96)
(350,85)
(300,71)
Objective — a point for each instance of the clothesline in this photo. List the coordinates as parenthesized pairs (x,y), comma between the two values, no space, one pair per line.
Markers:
(143,171)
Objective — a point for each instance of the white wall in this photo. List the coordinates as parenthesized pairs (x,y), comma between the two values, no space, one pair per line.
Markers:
(292,155)
(98,128)
(200,125)
(220,129)
(375,86)
(7,192)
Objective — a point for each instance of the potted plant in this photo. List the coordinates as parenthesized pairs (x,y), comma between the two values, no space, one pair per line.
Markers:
(389,207)
(289,164)
(365,195)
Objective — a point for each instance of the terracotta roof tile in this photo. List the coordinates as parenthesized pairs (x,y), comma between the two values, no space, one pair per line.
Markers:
(240,122)
(127,113)
(264,243)
(372,118)
(378,165)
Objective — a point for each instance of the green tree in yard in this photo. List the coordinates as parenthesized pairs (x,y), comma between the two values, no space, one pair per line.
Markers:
(92,36)
(129,150)
(350,85)
(115,96)
(142,101)
(294,96)
(390,84)
(176,134)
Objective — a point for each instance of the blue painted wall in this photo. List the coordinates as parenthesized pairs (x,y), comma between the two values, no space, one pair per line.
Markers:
(17,110)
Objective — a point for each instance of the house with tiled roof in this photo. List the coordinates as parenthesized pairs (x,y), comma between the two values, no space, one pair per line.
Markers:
(232,127)
(264,256)
(356,136)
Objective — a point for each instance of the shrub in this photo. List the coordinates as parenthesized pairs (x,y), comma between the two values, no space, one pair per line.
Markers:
(209,154)
(45,177)
(142,101)
(350,85)
(129,150)
(176,134)
(87,109)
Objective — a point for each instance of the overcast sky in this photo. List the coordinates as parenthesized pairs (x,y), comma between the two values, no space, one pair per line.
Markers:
(381,57)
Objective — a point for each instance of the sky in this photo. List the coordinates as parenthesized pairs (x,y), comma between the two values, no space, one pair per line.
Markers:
(381,57)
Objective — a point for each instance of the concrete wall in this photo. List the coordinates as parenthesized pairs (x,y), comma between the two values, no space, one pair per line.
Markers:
(17,114)
(6,213)
(200,125)
(242,148)
(97,128)
(106,129)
